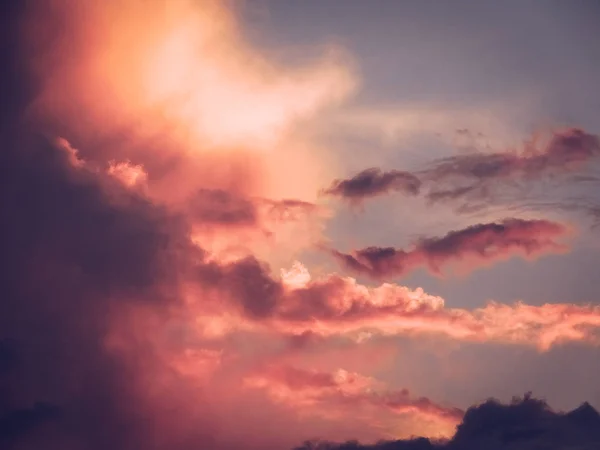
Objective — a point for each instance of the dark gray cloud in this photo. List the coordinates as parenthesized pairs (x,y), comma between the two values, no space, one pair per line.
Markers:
(374,182)
(477,176)
(75,248)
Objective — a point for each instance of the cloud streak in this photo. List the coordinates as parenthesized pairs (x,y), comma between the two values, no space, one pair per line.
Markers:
(475,175)
(566,150)
(372,183)
(332,394)
(339,306)
(469,247)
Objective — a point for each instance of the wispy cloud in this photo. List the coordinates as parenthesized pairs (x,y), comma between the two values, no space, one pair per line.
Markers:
(372,183)
(477,174)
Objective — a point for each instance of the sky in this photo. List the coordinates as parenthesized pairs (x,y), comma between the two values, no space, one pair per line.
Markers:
(257,223)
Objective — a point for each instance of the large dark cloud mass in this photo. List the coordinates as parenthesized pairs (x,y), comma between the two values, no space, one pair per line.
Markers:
(71,254)
(524,424)
(76,247)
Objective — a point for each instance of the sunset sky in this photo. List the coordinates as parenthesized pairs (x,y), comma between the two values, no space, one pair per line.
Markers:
(253,223)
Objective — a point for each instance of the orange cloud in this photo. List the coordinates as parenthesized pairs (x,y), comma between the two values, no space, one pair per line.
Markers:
(178,78)
(171,94)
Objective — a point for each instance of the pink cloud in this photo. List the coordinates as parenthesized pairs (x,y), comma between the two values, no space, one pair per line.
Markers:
(470,247)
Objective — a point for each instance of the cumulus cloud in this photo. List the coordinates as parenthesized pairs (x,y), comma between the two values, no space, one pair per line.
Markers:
(170,97)
(176,87)
(97,341)
(477,176)
(469,247)
(524,424)
(129,174)
(222,208)
(333,305)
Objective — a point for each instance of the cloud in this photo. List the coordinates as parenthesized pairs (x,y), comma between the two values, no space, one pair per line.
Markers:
(339,306)
(341,393)
(176,87)
(78,256)
(565,150)
(471,246)
(372,183)
(524,424)
(171,98)
(20,422)
(476,176)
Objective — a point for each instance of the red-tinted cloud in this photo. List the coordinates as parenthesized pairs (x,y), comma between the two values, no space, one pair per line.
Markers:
(333,394)
(475,245)
(334,306)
